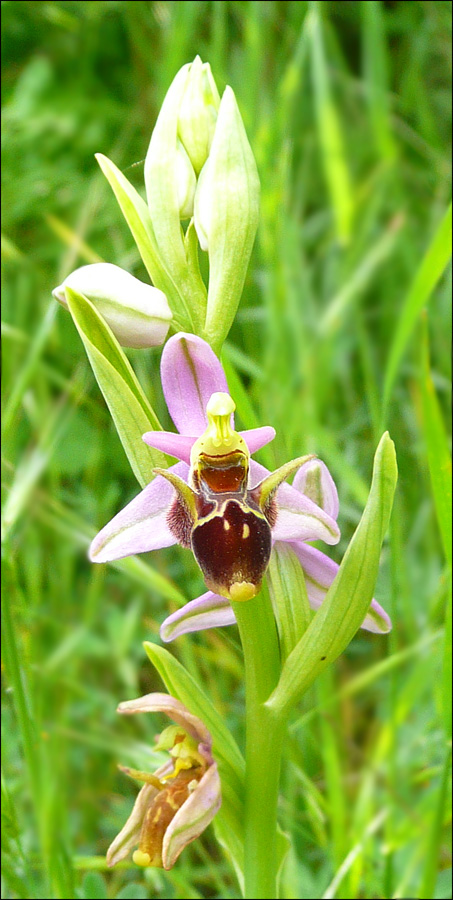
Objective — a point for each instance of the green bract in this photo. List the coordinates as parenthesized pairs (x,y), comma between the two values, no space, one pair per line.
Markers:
(130,409)
(349,598)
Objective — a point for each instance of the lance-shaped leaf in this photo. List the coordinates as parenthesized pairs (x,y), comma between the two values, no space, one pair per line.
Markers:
(182,686)
(131,411)
(348,599)
(226,216)
(137,216)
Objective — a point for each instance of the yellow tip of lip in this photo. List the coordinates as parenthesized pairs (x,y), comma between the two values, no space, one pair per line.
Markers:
(141,859)
(242,590)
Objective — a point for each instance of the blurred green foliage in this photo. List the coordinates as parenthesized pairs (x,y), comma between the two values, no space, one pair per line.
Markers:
(347,106)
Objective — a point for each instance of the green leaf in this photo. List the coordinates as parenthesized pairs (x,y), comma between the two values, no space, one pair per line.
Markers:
(137,216)
(348,599)
(375,70)
(426,278)
(131,411)
(330,136)
(434,834)
(94,886)
(439,459)
(182,686)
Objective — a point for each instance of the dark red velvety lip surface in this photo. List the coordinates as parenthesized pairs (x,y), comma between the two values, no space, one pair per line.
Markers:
(234,546)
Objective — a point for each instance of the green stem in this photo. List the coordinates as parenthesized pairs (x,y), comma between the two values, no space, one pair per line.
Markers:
(263,745)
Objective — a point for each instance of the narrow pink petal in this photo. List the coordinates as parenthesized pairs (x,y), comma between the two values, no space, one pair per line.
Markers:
(193,816)
(208,611)
(190,373)
(256,438)
(172,708)
(320,572)
(141,525)
(298,519)
(180,445)
(315,481)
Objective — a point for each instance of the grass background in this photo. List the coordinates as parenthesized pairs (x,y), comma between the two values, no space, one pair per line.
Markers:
(343,330)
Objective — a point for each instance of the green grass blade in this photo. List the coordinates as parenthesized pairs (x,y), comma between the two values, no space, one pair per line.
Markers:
(330,135)
(428,274)
(438,453)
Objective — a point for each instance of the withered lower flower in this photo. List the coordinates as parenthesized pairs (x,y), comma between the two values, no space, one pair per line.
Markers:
(180,799)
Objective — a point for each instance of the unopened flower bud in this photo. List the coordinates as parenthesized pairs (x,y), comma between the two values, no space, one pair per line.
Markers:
(197,113)
(137,313)
(226,216)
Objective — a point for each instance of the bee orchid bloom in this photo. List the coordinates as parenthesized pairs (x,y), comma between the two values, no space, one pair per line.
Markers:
(218,501)
(180,799)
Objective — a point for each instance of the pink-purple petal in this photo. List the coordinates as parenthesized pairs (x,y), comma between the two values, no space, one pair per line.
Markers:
(208,611)
(320,572)
(256,438)
(315,481)
(190,373)
(141,525)
(173,708)
(180,445)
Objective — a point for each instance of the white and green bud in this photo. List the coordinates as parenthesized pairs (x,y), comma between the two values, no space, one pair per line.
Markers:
(138,314)
(200,163)
(186,182)
(226,216)
(170,182)
(198,113)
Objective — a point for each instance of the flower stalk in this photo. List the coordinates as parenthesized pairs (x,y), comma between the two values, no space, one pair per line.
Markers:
(264,743)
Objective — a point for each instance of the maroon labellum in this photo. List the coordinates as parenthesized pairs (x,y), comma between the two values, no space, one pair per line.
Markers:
(227,526)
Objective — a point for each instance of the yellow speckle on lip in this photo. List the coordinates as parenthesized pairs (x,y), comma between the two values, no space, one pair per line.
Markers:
(242,590)
(141,859)
(245,531)
(226,525)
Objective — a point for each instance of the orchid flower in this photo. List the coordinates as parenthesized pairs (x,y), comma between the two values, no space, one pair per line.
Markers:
(229,514)
(180,799)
